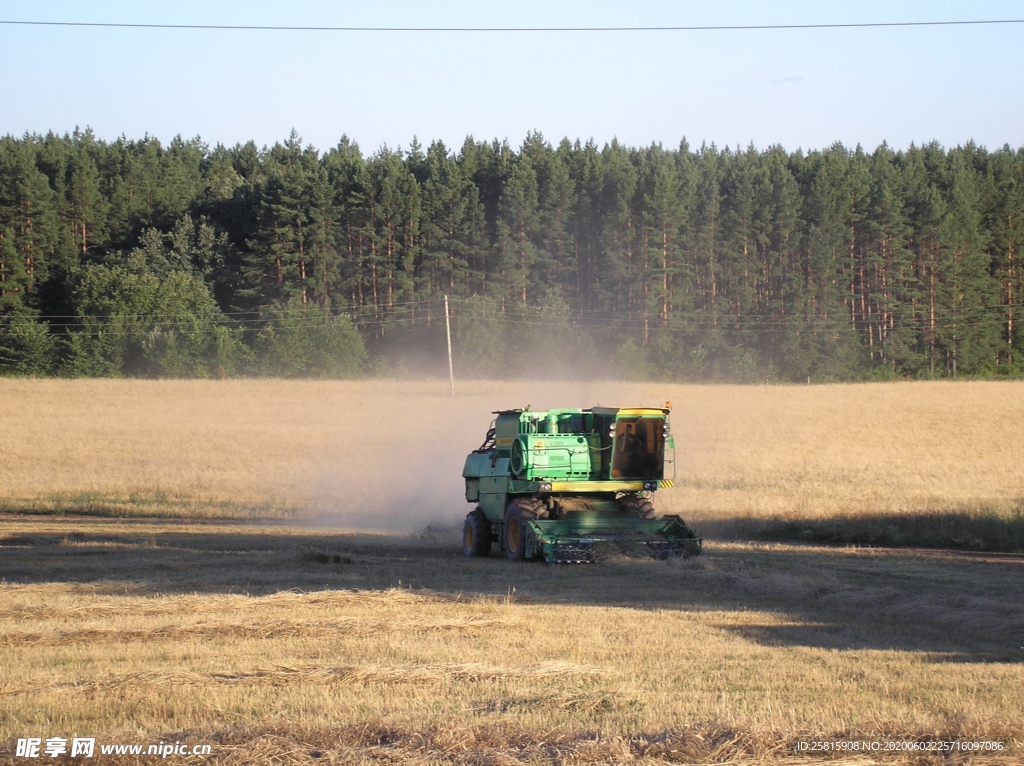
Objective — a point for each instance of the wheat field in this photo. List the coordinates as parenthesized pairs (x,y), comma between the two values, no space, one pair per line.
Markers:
(272,568)
(894,462)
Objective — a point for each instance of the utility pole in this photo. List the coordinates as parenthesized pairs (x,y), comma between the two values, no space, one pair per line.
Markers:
(448,332)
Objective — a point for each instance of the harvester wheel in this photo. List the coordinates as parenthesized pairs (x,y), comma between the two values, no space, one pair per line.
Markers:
(640,506)
(518,512)
(476,534)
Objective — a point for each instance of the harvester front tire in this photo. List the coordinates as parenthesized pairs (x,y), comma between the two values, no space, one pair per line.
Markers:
(640,506)
(518,512)
(476,534)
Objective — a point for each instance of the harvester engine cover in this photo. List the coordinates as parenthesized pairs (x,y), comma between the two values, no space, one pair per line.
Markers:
(561,485)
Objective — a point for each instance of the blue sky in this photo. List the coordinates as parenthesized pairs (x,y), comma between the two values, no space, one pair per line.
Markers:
(798,88)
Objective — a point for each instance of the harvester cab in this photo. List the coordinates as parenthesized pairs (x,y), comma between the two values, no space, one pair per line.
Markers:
(560,484)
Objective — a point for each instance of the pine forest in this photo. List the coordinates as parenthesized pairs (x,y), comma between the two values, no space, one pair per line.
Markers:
(132,258)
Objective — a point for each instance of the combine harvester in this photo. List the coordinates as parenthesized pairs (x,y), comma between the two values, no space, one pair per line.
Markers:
(560,484)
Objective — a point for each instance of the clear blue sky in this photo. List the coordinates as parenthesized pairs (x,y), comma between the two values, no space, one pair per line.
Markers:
(797,88)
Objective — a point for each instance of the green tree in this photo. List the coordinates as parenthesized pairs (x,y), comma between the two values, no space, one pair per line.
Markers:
(453,242)
(518,228)
(304,340)
(480,342)
(968,330)
(28,227)
(26,347)
(134,321)
(1004,206)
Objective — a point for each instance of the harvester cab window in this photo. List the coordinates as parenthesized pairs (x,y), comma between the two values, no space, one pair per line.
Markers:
(639,448)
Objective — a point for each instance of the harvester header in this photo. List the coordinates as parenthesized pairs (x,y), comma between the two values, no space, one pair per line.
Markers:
(558,483)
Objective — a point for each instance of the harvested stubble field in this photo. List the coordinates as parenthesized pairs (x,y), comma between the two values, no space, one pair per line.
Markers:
(278,644)
(200,586)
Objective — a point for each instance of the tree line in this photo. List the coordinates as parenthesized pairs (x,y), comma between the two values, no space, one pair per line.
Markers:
(134,258)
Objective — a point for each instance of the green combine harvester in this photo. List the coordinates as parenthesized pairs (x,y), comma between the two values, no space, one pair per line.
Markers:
(562,484)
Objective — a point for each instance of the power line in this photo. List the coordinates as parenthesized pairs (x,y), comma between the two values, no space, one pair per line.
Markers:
(166,328)
(710,28)
(757,324)
(465,309)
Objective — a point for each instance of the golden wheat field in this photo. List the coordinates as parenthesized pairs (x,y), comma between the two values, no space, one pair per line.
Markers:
(391,452)
(272,568)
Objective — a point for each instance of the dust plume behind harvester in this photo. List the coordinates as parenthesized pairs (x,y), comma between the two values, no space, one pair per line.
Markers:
(561,484)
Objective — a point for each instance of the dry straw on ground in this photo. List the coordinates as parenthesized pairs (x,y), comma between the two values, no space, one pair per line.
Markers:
(393,649)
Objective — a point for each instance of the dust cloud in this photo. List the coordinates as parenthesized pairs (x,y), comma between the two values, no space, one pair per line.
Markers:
(398,465)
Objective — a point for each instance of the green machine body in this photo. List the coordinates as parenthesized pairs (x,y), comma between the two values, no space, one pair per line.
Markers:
(561,484)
